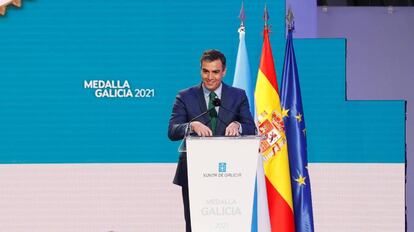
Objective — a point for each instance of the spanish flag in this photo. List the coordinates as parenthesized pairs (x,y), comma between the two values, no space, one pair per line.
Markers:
(274,147)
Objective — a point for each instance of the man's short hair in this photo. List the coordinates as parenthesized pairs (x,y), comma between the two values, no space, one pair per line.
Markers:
(212,55)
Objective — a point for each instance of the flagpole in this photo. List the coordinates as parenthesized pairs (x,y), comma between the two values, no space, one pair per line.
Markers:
(295,129)
(273,149)
(243,80)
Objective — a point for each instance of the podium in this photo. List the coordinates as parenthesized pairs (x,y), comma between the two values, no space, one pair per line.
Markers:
(221,180)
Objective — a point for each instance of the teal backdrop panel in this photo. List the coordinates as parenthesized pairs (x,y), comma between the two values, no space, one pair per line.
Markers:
(50,48)
(340,130)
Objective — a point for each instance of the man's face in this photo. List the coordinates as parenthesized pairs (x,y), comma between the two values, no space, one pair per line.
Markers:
(212,73)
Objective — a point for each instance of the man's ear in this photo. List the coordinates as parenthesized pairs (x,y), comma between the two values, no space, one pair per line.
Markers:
(224,71)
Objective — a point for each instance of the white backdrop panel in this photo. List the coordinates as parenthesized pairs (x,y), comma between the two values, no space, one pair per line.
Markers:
(90,198)
(141,197)
(358,197)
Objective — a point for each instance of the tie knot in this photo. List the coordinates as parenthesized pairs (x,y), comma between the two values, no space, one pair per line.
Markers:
(212,95)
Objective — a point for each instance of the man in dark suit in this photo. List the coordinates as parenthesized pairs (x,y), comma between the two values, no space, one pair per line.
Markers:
(233,118)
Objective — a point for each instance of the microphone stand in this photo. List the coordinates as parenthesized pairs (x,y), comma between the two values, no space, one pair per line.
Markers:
(237,114)
(182,147)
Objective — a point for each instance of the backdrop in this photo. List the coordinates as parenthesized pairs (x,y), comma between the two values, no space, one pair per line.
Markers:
(94,83)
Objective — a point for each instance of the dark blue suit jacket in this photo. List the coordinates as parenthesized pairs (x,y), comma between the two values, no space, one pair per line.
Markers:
(190,103)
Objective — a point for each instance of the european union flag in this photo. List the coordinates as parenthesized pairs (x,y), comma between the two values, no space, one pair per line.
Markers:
(295,129)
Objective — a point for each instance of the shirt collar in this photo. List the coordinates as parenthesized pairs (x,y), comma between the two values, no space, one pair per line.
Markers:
(217,91)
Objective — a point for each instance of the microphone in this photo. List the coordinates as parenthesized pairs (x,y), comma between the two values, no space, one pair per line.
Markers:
(211,111)
(217,102)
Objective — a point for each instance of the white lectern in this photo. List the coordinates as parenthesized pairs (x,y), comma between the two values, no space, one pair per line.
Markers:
(221,179)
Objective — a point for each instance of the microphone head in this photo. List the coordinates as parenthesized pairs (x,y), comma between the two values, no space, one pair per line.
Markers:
(216,102)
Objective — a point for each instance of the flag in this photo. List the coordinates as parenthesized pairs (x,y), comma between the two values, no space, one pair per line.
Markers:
(294,120)
(273,148)
(242,79)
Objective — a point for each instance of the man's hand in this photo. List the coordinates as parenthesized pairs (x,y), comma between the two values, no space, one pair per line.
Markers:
(201,129)
(233,129)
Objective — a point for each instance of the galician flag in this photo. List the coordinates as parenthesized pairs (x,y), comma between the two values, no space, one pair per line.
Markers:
(242,79)
(294,119)
(274,147)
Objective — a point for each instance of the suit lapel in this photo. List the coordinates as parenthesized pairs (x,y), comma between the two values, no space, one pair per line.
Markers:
(221,125)
(202,104)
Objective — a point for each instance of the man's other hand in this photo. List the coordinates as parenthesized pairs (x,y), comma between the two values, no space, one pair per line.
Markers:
(200,129)
(233,129)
